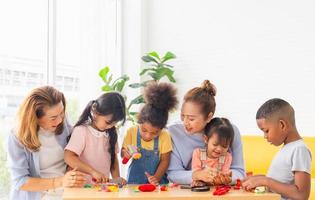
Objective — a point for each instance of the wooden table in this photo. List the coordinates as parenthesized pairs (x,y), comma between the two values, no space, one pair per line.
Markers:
(128,192)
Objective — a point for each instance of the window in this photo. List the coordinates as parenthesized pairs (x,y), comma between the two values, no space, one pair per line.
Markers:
(86,41)
(23,52)
(63,43)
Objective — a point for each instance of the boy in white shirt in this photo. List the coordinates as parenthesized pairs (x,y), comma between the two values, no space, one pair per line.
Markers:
(289,172)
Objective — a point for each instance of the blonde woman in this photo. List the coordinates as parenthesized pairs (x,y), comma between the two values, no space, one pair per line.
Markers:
(36,148)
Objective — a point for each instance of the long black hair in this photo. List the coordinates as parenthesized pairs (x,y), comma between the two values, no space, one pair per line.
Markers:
(159,98)
(111,103)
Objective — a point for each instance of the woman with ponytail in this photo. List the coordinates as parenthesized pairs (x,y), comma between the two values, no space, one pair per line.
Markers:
(197,111)
(150,137)
(93,143)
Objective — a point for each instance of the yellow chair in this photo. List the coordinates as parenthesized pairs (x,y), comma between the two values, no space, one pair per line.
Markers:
(258,154)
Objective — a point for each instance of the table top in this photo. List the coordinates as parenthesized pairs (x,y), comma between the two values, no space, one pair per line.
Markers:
(129,192)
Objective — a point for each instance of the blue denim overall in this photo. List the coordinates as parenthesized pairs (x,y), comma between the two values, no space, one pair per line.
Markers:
(148,162)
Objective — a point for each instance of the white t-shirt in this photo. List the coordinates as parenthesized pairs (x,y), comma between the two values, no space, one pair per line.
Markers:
(51,161)
(293,156)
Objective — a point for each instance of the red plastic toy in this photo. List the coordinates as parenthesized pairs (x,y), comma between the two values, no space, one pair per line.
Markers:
(238,184)
(221,190)
(134,154)
(163,188)
(147,188)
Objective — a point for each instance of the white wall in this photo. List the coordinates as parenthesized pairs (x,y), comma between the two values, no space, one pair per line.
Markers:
(251,50)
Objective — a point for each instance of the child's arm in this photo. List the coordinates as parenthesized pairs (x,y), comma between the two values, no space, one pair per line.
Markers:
(73,161)
(300,189)
(227,163)
(127,141)
(163,166)
(201,173)
(115,170)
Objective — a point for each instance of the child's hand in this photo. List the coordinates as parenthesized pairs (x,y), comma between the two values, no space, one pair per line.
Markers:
(152,179)
(197,183)
(252,182)
(99,177)
(205,175)
(119,181)
(222,179)
(125,153)
(122,181)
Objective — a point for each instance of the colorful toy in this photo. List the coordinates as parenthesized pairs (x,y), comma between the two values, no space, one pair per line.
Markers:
(249,173)
(87,186)
(147,188)
(238,184)
(221,190)
(163,188)
(118,181)
(112,188)
(134,154)
(135,189)
(260,190)
(106,187)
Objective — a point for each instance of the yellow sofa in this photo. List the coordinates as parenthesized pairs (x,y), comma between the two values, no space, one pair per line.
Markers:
(258,154)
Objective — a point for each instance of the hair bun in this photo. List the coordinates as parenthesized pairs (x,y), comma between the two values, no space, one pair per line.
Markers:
(161,96)
(209,87)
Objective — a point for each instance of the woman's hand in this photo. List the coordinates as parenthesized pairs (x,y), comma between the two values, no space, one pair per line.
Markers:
(99,177)
(73,178)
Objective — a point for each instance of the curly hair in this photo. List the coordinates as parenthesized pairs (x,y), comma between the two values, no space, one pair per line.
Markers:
(160,99)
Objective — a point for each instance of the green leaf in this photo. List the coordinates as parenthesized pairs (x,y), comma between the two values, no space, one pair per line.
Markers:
(137,100)
(145,70)
(124,77)
(149,59)
(110,79)
(167,65)
(154,76)
(135,85)
(159,65)
(171,78)
(103,73)
(155,55)
(163,71)
(138,85)
(133,113)
(120,84)
(168,56)
(107,88)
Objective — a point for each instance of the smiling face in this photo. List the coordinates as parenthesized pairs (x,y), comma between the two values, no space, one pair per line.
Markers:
(148,132)
(192,117)
(53,117)
(215,148)
(274,130)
